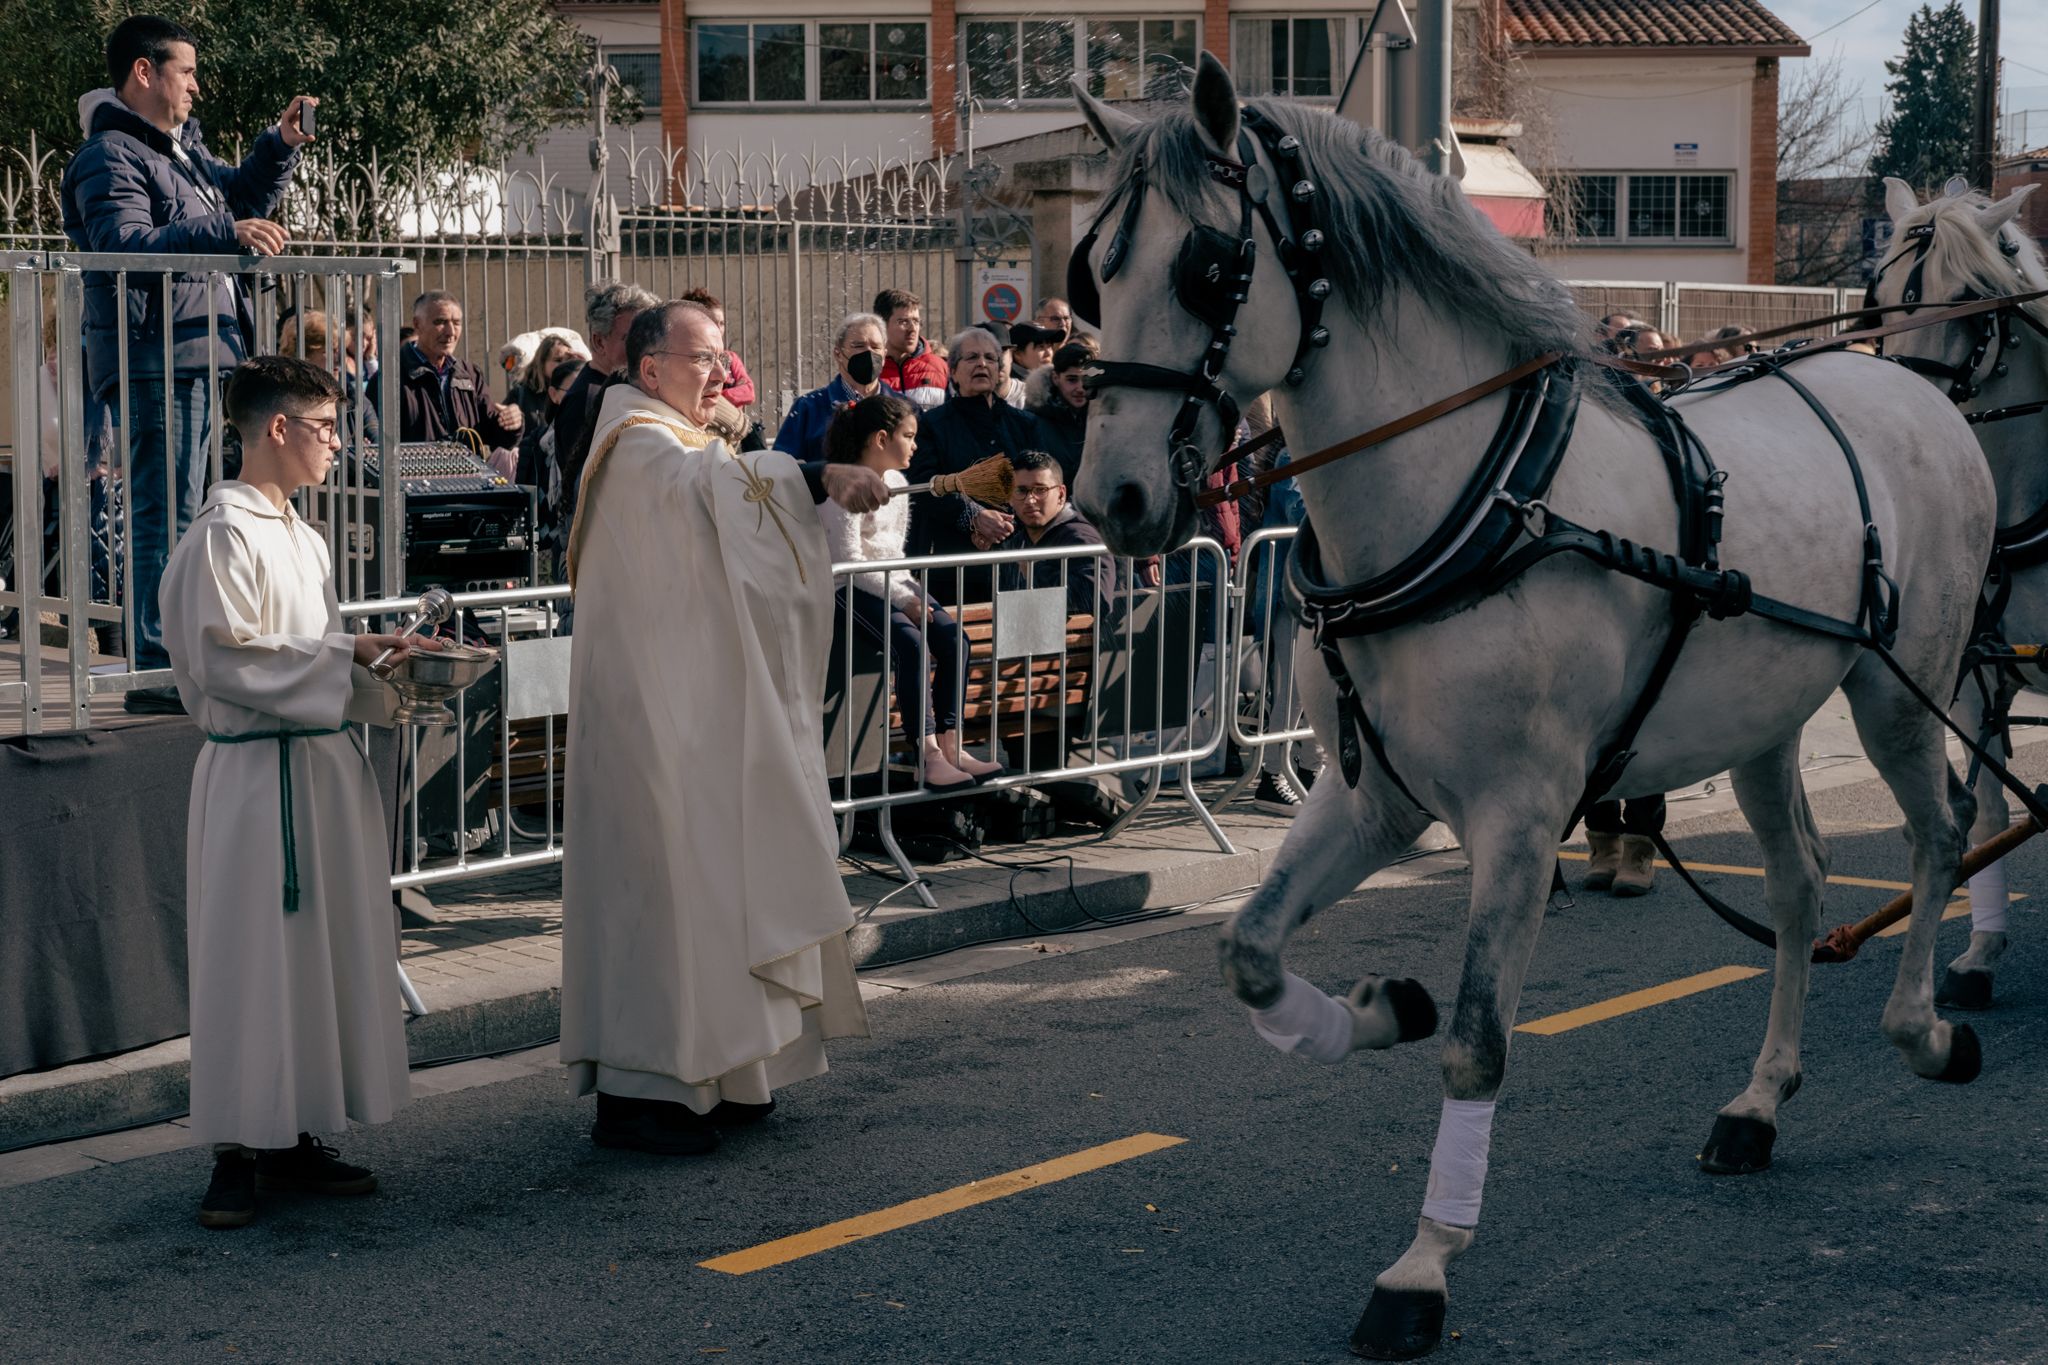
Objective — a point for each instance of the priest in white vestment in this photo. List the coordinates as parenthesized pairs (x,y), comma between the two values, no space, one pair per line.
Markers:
(296,1023)
(704,954)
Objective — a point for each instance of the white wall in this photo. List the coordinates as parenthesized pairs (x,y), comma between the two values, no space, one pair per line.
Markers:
(1626,114)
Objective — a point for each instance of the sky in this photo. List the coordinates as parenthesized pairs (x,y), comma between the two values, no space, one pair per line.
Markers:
(1864,35)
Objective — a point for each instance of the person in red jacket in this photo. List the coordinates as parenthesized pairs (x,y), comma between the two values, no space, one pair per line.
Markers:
(911,367)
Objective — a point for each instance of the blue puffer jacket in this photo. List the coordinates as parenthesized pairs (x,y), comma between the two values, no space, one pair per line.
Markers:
(128,190)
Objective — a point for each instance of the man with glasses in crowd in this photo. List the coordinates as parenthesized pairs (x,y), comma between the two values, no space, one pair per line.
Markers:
(704,956)
(1055,315)
(1045,519)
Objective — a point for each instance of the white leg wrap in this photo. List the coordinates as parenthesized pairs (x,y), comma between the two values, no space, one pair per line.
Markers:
(1457,1167)
(1307,1021)
(1988,900)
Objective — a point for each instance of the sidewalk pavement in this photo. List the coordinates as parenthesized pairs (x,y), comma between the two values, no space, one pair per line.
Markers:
(490,970)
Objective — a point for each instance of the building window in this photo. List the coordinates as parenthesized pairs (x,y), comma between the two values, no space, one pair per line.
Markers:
(639,72)
(1121,59)
(1589,207)
(1689,209)
(870,62)
(865,62)
(1306,56)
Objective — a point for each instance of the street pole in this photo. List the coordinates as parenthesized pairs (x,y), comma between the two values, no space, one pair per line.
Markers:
(600,238)
(1984,144)
(1434,71)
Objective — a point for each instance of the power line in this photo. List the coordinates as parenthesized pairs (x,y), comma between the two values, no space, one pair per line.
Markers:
(1845,19)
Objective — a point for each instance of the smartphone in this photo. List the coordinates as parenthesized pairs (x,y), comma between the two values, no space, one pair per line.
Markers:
(306,119)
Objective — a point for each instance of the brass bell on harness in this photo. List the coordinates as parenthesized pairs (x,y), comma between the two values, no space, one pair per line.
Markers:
(1312,240)
(1319,337)
(1319,290)
(1304,190)
(1289,145)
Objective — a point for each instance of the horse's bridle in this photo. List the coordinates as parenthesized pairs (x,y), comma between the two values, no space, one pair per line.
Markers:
(1997,326)
(1212,277)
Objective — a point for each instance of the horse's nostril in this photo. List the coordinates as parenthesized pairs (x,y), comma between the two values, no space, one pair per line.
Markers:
(1127,504)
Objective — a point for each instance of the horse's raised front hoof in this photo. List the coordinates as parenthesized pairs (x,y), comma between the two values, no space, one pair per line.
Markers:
(1964,990)
(1414,1011)
(1399,1324)
(1739,1145)
(1965,1057)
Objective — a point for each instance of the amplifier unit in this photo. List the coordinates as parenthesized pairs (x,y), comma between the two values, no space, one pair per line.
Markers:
(465,526)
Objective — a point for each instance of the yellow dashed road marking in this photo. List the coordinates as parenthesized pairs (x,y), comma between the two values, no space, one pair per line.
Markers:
(1637,1000)
(786,1249)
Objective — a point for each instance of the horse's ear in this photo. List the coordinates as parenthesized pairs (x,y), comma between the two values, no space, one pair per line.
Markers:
(1899,199)
(1110,126)
(1215,100)
(2004,211)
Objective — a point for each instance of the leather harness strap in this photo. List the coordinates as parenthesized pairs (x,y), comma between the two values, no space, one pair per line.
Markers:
(1379,435)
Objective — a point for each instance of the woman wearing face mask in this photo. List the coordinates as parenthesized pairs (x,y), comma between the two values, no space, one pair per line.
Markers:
(859,353)
(967,428)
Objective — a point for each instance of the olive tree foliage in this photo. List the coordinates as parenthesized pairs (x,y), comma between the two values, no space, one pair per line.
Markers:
(404,85)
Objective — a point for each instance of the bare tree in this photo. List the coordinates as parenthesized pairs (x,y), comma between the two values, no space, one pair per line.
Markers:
(1823,177)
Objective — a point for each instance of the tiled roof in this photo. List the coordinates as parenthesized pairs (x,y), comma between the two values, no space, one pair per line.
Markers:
(1645,23)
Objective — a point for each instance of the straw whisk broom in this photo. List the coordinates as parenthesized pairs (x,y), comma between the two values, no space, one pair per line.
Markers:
(991,481)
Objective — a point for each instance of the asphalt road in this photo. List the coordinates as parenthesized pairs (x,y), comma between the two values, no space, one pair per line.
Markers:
(1903,1221)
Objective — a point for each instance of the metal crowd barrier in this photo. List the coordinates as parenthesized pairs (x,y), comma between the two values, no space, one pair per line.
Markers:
(529,685)
(1070,686)
(1262,634)
(85,582)
(1068,697)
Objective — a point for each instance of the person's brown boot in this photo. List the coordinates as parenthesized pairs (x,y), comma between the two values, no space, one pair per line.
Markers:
(1638,866)
(1606,861)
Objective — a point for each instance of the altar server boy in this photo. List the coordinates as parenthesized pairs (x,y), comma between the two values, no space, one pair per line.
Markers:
(296,1025)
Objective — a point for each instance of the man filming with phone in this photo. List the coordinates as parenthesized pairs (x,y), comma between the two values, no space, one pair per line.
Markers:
(145,183)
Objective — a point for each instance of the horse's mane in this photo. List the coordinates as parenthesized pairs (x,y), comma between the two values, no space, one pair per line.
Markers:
(1963,253)
(1388,222)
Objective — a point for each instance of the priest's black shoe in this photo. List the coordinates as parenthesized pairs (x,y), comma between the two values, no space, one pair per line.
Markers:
(660,1127)
(733,1114)
(153,701)
(312,1167)
(230,1200)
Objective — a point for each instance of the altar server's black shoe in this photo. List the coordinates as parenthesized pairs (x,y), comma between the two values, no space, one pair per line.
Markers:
(733,1114)
(230,1200)
(312,1167)
(658,1127)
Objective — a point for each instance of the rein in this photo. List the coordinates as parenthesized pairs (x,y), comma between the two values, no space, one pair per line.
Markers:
(1443,407)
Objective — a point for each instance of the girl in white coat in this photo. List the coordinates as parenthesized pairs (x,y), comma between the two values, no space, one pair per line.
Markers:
(923,641)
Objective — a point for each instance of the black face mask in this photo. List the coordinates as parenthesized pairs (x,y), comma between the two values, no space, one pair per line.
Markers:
(863,367)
